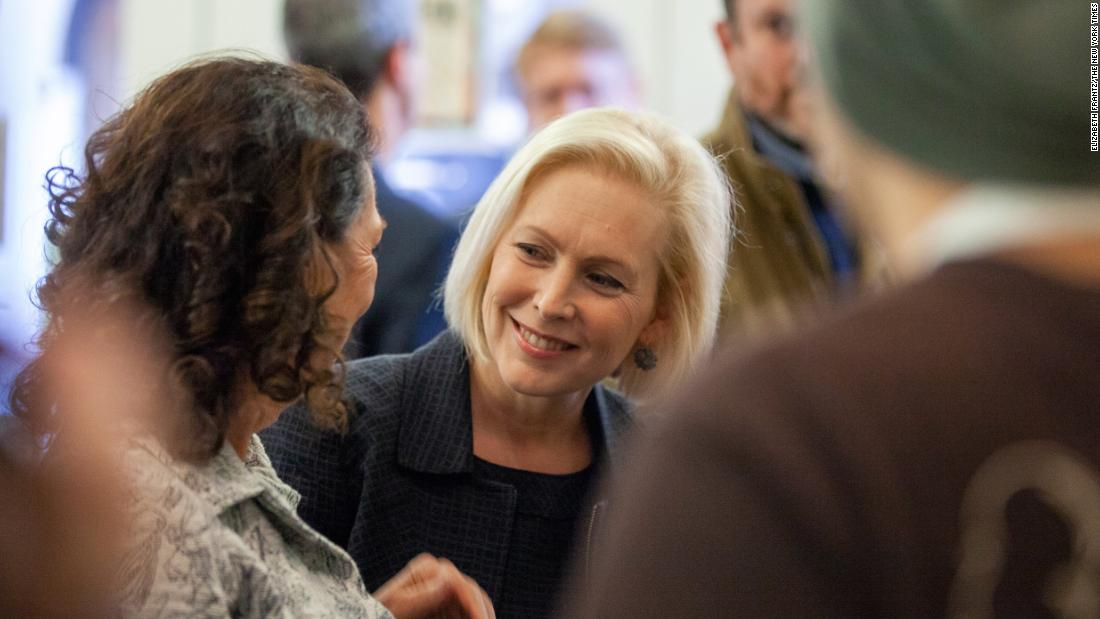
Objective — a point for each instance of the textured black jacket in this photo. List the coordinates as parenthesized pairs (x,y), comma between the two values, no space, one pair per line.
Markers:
(400,481)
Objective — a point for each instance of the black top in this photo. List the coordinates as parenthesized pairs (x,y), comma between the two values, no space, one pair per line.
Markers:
(402,480)
(543,529)
(929,453)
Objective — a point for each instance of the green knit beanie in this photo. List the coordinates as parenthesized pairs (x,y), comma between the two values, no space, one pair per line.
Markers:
(991,90)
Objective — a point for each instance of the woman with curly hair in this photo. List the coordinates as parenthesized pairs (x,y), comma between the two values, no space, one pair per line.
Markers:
(233,204)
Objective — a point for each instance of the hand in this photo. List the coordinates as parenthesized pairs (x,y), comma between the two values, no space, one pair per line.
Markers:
(429,587)
(63,519)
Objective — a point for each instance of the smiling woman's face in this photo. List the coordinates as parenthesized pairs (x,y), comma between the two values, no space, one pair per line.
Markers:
(573,283)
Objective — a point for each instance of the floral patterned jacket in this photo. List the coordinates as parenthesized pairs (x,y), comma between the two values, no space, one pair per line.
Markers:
(223,539)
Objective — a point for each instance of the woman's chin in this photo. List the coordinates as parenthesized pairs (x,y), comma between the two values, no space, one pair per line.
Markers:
(534,383)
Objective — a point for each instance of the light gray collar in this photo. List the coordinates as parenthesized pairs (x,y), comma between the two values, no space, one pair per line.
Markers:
(984,219)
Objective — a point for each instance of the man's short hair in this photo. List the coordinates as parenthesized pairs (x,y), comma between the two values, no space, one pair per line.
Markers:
(348,38)
(572,30)
(730,14)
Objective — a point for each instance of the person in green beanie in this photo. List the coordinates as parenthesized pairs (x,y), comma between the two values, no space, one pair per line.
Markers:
(795,256)
(933,451)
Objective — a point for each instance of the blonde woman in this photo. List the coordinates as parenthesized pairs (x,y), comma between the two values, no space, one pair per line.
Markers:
(599,251)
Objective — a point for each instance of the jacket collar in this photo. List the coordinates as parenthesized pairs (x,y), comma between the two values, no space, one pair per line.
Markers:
(436,434)
(732,132)
(613,416)
(734,136)
(225,480)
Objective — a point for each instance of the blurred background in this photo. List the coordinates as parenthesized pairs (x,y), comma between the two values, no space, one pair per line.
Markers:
(67,65)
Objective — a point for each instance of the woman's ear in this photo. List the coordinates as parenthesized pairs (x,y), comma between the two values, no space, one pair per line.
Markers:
(657,328)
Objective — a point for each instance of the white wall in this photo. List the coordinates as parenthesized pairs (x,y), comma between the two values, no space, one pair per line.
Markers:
(671,41)
(159,35)
(39,102)
(677,54)
(41,105)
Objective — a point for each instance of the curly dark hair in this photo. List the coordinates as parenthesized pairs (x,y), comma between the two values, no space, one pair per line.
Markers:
(209,201)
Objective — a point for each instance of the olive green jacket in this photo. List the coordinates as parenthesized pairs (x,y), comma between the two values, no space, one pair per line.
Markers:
(778,271)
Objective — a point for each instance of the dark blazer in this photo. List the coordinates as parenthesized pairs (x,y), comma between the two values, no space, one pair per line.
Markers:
(413,259)
(400,481)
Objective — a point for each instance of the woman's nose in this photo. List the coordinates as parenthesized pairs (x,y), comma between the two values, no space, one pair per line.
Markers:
(553,299)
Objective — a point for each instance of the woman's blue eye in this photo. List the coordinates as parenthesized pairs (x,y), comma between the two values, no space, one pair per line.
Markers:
(531,251)
(605,281)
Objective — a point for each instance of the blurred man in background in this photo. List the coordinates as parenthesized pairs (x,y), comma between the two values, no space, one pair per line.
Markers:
(795,254)
(371,46)
(573,61)
(934,451)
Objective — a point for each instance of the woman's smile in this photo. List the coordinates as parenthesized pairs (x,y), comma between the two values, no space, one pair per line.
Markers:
(539,345)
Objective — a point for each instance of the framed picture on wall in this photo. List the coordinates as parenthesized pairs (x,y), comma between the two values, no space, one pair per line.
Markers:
(449,53)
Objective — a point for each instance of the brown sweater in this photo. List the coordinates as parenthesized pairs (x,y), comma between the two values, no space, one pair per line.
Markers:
(934,449)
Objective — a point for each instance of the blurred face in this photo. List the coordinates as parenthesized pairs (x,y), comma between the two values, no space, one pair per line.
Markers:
(561,80)
(573,283)
(871,178)
(409,75)
(354,261)
(762,54)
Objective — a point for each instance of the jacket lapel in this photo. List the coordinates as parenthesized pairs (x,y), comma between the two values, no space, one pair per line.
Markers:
(436,434)
(612,420)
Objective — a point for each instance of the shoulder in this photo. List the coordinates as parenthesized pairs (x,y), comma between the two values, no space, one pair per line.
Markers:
(164,484)
(901,330)
(386,385)
(729,135)
(615,406)
(617,401)
(374,388)
(717,144)
(177,555)
(616,421)
(383,383)
(377,391)
(860,368)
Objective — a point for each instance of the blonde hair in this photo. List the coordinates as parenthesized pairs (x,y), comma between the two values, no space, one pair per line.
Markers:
(684,182)
(572,30)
